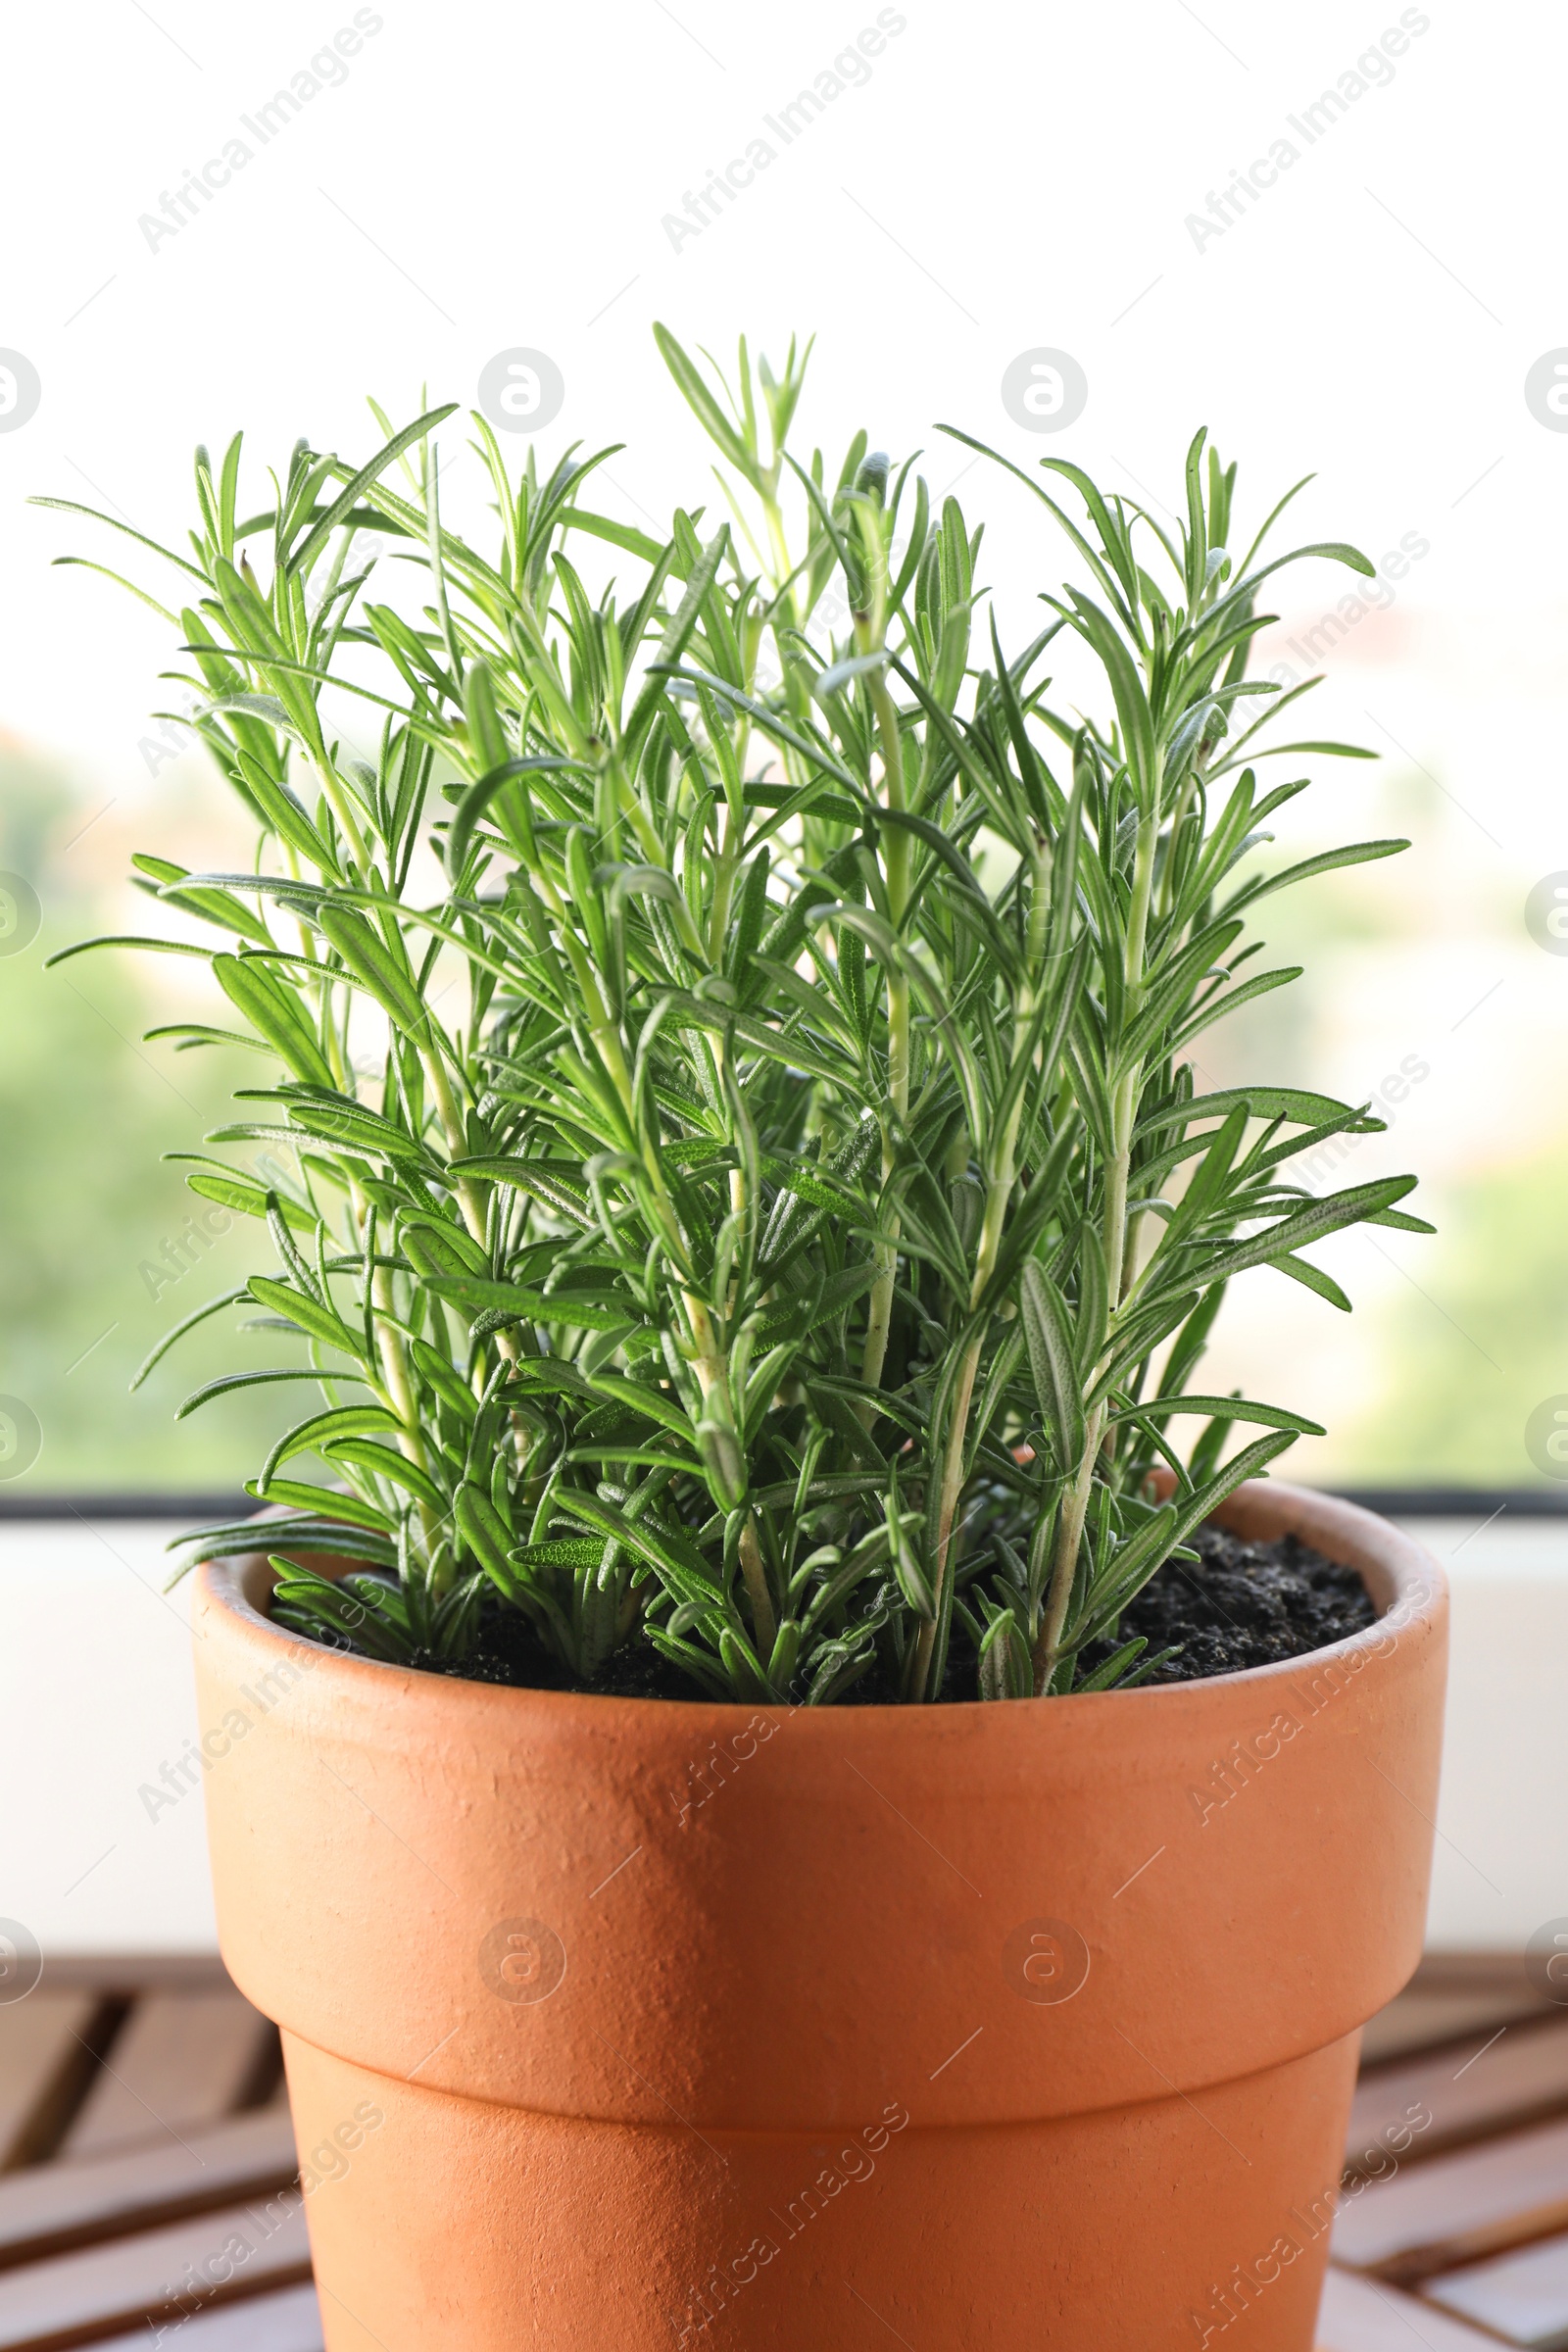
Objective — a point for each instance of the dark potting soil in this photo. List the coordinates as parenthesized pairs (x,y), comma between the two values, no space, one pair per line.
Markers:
(1242,1605)
(511,1652)
(1237,1606)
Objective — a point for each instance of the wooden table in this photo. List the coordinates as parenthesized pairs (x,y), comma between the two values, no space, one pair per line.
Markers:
(1459,2239)
(148,2173)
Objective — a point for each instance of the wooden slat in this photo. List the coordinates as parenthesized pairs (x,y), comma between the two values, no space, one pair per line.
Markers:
(156,2171)
(50,2206)
(72,2297)
(179,2061)
(1468,2088)
(1447,1972)
(287,2323)
(1360,2315)
(136,1972)
(1422,2017)
(1522,2297)
(1433,2216)
(45,2055)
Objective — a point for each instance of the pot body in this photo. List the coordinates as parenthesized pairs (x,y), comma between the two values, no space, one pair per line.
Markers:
(632,2023)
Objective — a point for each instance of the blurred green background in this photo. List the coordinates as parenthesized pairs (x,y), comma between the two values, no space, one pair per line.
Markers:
(97,1258)
(1419,964)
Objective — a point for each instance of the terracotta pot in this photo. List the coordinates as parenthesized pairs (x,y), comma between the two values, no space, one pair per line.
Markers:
(621,2024)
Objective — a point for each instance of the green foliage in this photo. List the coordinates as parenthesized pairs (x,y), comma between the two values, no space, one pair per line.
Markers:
(101,1245)
(1458,1383)
(754,1232)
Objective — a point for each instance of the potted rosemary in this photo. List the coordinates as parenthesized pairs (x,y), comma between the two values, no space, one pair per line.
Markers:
(742,1217)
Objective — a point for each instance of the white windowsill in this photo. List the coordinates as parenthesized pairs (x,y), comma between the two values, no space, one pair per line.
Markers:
(96,1700)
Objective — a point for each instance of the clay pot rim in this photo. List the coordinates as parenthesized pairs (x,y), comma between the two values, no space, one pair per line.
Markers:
(1402,1577)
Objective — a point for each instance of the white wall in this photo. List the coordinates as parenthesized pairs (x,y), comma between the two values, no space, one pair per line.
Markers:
(1501,1867)
(96,1696)
(96,1700)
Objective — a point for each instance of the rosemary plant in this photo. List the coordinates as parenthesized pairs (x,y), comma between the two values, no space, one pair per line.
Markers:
(745,1192)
